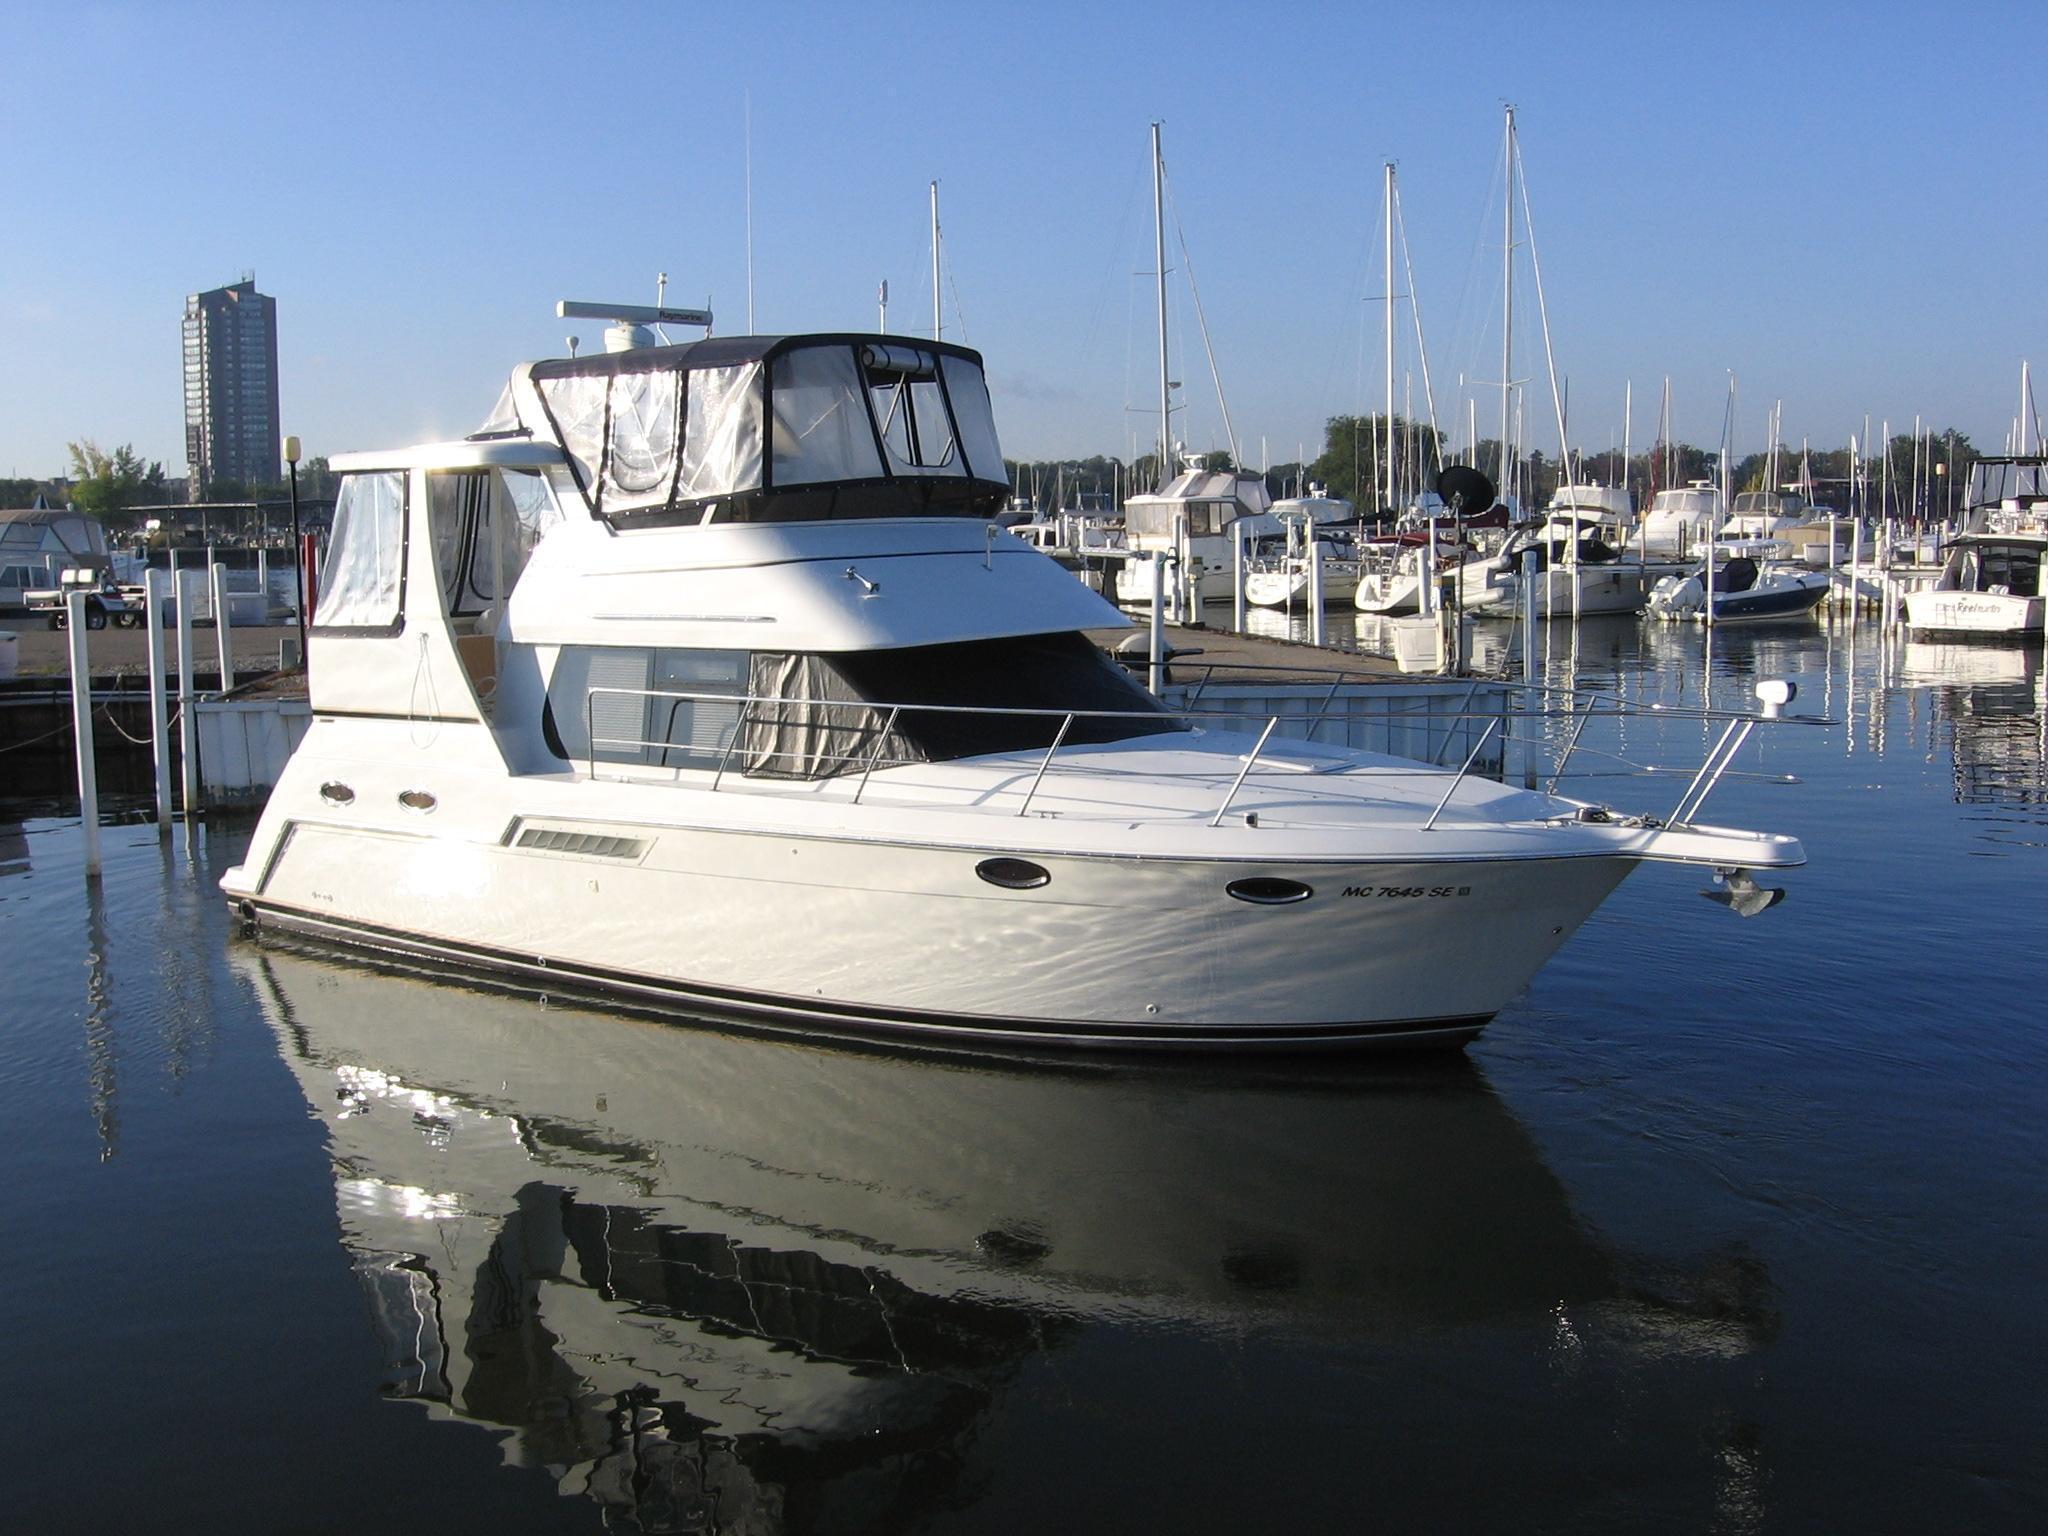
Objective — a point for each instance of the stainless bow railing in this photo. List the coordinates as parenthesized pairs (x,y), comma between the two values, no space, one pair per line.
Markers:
(871,727)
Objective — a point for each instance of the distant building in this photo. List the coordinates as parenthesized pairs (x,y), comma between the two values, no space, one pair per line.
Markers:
(231,417)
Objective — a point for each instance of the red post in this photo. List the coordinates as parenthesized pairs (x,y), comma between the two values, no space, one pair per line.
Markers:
(309,575)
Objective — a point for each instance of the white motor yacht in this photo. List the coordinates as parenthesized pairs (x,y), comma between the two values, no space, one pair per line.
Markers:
(701,675)
(1195,520)
(1993,583)
(1679,522)
(1807,531)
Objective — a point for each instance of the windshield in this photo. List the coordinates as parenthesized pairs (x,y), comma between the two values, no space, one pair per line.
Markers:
(801,715)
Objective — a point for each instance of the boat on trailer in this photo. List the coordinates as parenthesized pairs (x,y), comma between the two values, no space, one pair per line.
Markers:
(702,675)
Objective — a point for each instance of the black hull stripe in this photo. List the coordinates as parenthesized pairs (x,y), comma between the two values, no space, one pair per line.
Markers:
(777,1008)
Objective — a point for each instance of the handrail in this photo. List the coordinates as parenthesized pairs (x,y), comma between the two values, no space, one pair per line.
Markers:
(1624,709)
(1331,697)
(1470,694)
(1470,758)
(881,740)
(1238,783)
(1703,783)
(1039,777)
(738,730)
(1578,729)
(753,710)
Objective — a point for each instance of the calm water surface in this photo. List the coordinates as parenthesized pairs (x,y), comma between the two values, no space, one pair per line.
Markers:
(1722,1226)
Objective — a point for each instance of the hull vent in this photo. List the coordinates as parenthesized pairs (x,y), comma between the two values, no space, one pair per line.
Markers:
(1013,874)
(591,844)
(1269,891)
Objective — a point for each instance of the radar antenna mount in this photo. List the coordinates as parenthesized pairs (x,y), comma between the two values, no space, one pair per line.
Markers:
(631,325)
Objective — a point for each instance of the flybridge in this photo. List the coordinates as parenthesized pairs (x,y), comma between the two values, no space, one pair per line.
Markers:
(766,428)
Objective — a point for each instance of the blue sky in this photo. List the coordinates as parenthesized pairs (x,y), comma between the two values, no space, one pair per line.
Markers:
(1839,205)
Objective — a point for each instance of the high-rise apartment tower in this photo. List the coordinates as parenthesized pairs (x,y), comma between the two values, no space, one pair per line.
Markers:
(231,419)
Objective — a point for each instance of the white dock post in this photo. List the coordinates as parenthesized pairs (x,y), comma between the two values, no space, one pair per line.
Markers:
(159,713)
(1527,593)
(1315,590)
(1855,568)
(223,638)
(1156,675)
(1237,598)
(188,726)
(81,731)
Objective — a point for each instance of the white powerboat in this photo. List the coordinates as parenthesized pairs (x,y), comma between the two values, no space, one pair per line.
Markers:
(1753,584)
(1393,572)
(1992,584)
(701,676)
(1282,579)
(1582,564)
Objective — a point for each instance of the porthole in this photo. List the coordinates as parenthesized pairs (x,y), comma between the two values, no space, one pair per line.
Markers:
(337,794)
(1268,890)
(1013,874)
(417,800)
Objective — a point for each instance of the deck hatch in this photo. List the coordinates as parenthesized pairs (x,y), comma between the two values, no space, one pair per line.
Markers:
(594,845)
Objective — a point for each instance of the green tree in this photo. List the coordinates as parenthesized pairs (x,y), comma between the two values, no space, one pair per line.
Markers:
(104,485)
(1353,447)
(316,480)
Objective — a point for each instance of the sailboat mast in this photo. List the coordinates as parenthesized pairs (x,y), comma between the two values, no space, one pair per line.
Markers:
(1628,406)
(1387,457)
(1664,435)
(1159,253)
(1507,288)
(1771,459)
(936,330)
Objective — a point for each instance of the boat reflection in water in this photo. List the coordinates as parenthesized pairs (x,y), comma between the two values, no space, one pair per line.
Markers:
(713,1281)
(14,859)
(1991,699)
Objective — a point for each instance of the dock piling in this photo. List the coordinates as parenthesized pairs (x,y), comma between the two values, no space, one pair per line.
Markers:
(188,722)
(1315,589)
(1527,593)
(223,638)
(81,729)
(1237,598)
(159,713)
(1155,676)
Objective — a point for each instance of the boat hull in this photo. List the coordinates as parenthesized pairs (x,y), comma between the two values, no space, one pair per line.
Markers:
(1279,589)
(1601,589)
(1985,615)
(1771,607)
(845,934)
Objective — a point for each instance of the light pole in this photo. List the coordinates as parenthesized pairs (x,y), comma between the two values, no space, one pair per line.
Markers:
(291,464)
